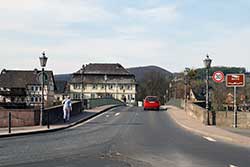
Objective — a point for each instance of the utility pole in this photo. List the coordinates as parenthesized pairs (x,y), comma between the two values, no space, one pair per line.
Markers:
(235,107)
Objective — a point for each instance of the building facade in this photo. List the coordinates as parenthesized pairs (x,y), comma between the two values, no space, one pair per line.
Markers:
(24,87)
(103,80)
(61,91)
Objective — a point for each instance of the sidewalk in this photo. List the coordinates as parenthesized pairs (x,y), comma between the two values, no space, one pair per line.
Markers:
(74,120)
(243,132)
(195,126)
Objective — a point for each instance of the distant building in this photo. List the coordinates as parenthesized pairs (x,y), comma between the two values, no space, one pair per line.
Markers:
(247,77)
(23,87)
(61,91)
(197,96)
(103,80)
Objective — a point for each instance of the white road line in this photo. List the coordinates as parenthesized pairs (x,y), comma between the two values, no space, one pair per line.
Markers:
(117,114)
(87,121)
(107,116)
(233,165)
(209,138)
(112,109)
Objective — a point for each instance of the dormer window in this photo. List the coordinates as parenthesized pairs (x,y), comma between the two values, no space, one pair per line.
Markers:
(35,71)
(4,71)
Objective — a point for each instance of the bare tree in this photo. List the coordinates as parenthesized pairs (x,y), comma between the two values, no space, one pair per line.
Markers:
(153,83)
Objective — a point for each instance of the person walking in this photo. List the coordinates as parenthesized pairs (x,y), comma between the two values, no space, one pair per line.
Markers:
(67,108)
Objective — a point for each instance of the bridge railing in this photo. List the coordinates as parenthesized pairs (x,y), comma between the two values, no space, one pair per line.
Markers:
(97,102)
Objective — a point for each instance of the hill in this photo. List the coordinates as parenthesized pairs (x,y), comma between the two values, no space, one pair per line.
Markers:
(140,72)
(63,77)
(201,72)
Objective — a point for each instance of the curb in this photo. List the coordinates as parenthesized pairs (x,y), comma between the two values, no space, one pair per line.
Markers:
(228,140)
(60,128)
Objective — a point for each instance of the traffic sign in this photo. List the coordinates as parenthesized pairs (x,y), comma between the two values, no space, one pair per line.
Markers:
(235,80)
(218,76)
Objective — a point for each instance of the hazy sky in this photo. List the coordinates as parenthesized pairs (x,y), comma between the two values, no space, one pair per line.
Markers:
(172,34)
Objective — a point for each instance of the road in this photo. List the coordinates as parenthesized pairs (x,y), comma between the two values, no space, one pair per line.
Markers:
(122,137)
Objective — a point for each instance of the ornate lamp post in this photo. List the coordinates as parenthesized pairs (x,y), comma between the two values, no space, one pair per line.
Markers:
(170,90)
(207,63)
(43,62)
(185,89)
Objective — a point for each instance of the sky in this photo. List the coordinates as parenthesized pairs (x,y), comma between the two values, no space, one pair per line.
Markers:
(172,34)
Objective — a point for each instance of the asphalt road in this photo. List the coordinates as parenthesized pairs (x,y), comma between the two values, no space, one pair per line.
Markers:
(122,137)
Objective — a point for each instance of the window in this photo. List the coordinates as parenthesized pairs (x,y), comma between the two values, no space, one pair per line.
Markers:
(110,86)
(121,86)
(32,99)
(77,86)
(76,96)
(12,99)
(94,86)
(129,97)
(37,88)
(33,88)
(102,86)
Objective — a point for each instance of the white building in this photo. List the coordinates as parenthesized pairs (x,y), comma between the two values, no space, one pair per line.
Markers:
(103,80)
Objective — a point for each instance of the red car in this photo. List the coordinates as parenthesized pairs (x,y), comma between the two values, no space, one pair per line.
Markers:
(151,102)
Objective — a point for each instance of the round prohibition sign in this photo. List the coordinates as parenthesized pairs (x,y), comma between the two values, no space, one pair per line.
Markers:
(218,76)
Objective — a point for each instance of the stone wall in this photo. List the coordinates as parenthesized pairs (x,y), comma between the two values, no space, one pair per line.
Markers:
(31,117)
(222,118)
(56,112)
(225,119)
(20,117)
(196,112)
(92,103)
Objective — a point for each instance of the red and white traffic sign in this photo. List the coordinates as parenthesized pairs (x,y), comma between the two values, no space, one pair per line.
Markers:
(218,76)
(235,80)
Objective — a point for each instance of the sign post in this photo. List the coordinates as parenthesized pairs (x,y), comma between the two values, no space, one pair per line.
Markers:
(235,80)
(235,107)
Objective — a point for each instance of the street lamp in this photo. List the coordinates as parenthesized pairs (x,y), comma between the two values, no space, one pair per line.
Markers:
(43,62)
(185,82)
(207,63)
(170,90)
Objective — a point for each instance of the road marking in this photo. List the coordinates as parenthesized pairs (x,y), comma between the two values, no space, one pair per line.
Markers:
(107,116)
(232,165)
(112,109)
(117,114)
(209,138)
(87,121)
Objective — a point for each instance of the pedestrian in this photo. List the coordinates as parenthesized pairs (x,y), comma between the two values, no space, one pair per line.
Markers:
(67,108)
(124,99)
